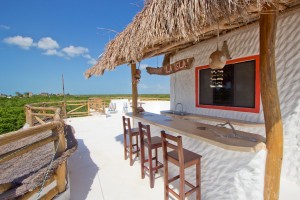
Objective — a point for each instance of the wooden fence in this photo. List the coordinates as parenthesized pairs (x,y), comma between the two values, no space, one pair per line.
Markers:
(56,126)
(41,113)
(44,117)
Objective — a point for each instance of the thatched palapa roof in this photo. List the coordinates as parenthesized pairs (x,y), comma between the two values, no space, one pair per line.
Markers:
(166,26)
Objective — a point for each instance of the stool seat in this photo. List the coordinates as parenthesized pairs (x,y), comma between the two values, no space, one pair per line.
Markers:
(188,156)
(133,131)
(156,142)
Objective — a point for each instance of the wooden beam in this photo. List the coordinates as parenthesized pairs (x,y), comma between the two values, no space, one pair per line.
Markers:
(17,135)
(270,101)
(134,88)
(60,177)
(18,152)
(50,195)
(37,189)
(39,120)
(4,187)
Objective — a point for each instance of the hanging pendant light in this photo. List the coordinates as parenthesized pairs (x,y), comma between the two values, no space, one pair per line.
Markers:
(217,61)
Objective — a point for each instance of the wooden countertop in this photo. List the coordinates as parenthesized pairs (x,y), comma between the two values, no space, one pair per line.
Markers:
(218,136)
(210,118)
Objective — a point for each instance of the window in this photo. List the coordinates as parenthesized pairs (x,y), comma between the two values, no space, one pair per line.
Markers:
(241,86)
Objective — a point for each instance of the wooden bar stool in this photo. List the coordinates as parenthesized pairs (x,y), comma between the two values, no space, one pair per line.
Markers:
(151,143)
(183,158)
(131,132)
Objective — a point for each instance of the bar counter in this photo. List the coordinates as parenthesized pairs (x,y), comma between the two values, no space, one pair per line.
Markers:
(218,136)
(231,167)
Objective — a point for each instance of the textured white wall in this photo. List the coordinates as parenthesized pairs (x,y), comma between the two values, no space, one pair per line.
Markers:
(244,43)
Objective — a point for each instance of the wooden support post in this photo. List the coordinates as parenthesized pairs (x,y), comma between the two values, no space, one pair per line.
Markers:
(134,88)
(60,144)
(60,177)
(29,115)
(88,107)
(270,101)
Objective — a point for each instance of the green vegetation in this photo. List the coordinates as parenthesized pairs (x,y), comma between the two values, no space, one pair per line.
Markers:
(12,115)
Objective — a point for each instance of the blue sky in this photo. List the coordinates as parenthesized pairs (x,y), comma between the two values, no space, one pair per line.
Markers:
(42,39)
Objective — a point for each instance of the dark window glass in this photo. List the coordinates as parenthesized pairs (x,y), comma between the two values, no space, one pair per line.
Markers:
(238,86)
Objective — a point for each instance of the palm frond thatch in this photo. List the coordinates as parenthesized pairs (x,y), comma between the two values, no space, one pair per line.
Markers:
(164,26)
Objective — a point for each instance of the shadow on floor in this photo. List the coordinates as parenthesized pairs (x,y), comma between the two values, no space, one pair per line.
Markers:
(83,171)
(120,138)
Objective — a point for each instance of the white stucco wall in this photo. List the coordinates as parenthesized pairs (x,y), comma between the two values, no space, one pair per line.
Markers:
(242,43)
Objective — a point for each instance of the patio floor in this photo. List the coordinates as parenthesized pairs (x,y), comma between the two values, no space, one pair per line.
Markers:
(98,169)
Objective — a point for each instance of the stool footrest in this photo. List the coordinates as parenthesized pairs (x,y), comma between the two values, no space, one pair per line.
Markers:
(188,193)
(173,192)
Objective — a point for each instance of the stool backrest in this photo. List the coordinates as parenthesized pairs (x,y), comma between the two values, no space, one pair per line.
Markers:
(174,143)
(126,124)
(145,133)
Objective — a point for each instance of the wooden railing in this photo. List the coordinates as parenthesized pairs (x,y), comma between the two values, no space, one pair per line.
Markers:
(41,113)
(56,126)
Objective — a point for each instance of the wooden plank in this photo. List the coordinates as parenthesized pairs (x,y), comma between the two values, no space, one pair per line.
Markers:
(43,114)
(43,108)
(60,177)
(17,135)
(134,88)
(4,187)
(37,189)
(50,195)
(78,113)
(76,109)
(270,101)
(18,152)
(39,120)
(180,65)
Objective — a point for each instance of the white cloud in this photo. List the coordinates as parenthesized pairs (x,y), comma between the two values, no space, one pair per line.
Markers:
(22,42)
(4,27)
(92,61)
(53,52)
(75,51)
(87,56)
(47,43)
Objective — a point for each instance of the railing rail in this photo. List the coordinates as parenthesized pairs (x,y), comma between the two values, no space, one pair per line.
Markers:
(41,113)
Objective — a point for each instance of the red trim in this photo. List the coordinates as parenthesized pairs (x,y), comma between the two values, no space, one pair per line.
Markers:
(256,109)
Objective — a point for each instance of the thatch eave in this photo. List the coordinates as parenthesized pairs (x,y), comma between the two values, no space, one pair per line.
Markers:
(163,27)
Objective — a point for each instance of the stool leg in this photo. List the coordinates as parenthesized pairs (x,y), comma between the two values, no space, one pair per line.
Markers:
(137,145)
(198,180)
(182,183)
(142,160)
(156,160)
(130,150)
(125,147)
(150,167)
(166,179)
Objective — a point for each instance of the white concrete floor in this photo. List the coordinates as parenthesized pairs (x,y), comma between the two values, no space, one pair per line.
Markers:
(98,169)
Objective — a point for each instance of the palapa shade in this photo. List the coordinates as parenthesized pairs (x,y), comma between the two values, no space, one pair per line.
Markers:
(166,26)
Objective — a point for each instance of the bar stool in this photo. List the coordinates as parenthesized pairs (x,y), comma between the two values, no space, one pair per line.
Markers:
(182,158)
(131,132)
(151,143)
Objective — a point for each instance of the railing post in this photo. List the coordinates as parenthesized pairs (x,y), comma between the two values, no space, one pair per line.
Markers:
(88,107)
(29,116)
(60,144)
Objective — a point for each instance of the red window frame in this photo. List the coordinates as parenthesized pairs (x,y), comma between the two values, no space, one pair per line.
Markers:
(256,108)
